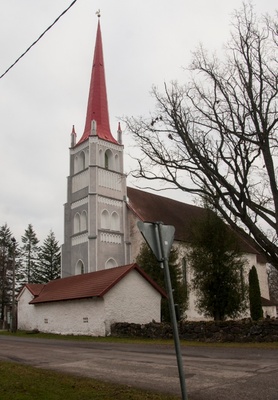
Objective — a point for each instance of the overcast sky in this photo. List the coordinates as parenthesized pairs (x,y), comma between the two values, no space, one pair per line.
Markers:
(144,43)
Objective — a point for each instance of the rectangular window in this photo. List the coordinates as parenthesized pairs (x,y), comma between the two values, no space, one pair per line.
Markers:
(85,319)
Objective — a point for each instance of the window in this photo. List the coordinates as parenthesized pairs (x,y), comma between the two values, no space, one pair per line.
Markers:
(82,161)
(83,221)
(76,223)
(75,164)
(111,263)
(108,159)
(115,221)
(79,269)
(101,158)
(117,163)
(105,219)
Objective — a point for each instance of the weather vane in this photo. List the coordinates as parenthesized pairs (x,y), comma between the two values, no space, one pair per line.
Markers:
(98,13)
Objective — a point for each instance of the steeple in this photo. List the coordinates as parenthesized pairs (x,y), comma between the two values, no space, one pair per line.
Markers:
(97,109)
(96,233)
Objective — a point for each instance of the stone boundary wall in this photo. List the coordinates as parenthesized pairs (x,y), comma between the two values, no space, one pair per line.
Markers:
(226,331)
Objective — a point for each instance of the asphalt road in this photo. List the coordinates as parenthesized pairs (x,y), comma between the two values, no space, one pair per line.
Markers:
(211,373)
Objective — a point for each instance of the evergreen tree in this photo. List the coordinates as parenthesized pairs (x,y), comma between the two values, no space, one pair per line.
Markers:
(29,256)
(217,269)
(273,283)
(255,300)
(7,249)
(148,262)
(49,267)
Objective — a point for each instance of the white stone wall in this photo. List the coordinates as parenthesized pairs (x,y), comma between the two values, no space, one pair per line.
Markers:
(26,313)
(77,317)
(250,260)
(132,300)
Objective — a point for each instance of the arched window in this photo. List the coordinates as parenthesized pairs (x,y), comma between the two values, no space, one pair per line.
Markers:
(108,160)
(117,163)
(87,158)
(115,221)
(76,223)
(110,263)
(105,224)
(101,158)
(75,164)
(82,161)
(83,221)
(79,268)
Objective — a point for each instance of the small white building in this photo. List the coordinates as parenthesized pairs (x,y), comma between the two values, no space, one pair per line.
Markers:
(88,304)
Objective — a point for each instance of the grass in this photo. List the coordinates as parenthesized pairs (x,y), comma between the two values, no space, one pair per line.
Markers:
(21,382)
(132,340)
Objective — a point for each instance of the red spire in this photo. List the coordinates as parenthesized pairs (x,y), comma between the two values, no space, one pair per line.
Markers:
(97,108)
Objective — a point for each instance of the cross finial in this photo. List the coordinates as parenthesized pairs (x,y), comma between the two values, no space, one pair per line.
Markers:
(98,13)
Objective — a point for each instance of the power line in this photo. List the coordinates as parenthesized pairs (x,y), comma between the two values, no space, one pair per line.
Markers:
(36,41)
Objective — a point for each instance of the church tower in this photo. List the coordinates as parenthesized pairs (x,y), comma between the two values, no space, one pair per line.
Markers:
(95,227)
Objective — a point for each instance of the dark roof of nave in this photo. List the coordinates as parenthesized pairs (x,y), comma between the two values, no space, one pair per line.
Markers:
(92,284)
(149,207)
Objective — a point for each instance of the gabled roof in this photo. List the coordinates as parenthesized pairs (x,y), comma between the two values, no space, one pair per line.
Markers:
(92,284)
(97,108)
(35,288)
(151,207)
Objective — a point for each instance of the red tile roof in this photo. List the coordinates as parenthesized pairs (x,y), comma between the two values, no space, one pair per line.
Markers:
(35,288)
(93,284)
(151,207)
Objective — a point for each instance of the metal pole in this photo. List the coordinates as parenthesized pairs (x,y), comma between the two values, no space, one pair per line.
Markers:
(13,324)
(172,311)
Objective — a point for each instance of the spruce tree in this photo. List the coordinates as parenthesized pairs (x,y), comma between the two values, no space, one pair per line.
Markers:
(49,267)
(255,300)
(217,268)
(7,249)
(148,262)
(29,256)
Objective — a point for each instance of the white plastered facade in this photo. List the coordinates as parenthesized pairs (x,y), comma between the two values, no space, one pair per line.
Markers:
(133,299)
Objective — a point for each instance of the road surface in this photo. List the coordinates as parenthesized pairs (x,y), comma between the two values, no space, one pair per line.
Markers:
(211,373)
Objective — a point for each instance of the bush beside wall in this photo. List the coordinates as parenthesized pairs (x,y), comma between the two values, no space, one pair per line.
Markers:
(223,331)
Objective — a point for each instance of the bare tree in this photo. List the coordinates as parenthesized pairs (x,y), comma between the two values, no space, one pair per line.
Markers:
(216,137)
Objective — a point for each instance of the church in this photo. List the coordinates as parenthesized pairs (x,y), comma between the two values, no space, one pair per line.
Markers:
(101,237)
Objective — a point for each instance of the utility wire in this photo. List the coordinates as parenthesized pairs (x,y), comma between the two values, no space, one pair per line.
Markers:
(36,41)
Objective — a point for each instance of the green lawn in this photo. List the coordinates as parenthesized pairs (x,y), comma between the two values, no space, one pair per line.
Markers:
(111,339)
(21,382)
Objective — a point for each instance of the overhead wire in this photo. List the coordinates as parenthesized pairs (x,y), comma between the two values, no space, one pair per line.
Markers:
(36,41)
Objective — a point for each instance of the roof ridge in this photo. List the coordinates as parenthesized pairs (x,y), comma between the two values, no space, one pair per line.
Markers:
(82,286)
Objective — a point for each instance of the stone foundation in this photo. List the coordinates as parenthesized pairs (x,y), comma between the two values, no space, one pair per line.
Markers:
(226,331)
